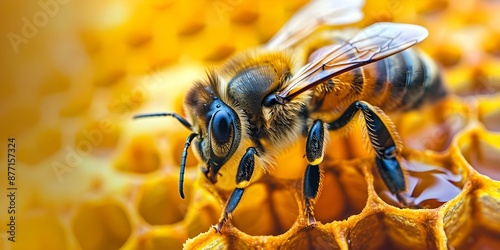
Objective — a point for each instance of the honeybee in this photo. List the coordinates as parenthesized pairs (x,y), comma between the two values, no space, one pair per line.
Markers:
(260,102)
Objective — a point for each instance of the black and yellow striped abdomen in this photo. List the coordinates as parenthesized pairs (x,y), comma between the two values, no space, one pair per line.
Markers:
(400,82)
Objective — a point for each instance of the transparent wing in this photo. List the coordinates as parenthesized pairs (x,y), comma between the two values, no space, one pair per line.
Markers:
(313,15)
(371,44)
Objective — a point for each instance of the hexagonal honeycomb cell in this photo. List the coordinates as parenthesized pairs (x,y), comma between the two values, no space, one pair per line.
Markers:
(89,176)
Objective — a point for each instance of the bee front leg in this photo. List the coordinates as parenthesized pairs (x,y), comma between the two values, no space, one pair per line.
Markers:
(315,150)
(243,176)
(383,138)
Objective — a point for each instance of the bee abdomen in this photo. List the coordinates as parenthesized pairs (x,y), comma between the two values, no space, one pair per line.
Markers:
(411,79)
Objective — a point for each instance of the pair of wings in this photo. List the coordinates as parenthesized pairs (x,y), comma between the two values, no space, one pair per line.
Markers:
(371,44)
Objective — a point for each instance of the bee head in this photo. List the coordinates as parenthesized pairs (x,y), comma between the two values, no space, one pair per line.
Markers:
(218,126)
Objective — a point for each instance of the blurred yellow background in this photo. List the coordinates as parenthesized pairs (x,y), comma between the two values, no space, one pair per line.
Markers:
(75,72)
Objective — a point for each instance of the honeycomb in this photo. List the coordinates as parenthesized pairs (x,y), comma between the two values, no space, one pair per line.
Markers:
(89,177)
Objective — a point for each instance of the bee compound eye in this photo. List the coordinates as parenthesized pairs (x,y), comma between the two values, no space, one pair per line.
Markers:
(222,126)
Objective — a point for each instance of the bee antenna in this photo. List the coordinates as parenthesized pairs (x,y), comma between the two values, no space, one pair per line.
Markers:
(183,163)
(176,116)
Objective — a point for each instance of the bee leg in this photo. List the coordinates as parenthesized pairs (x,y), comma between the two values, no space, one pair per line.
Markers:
(245,171)
(312,179)
(315,151)
(187,144)
(382,137)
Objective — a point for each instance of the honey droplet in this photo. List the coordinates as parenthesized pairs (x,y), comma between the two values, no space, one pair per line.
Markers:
(427,186)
